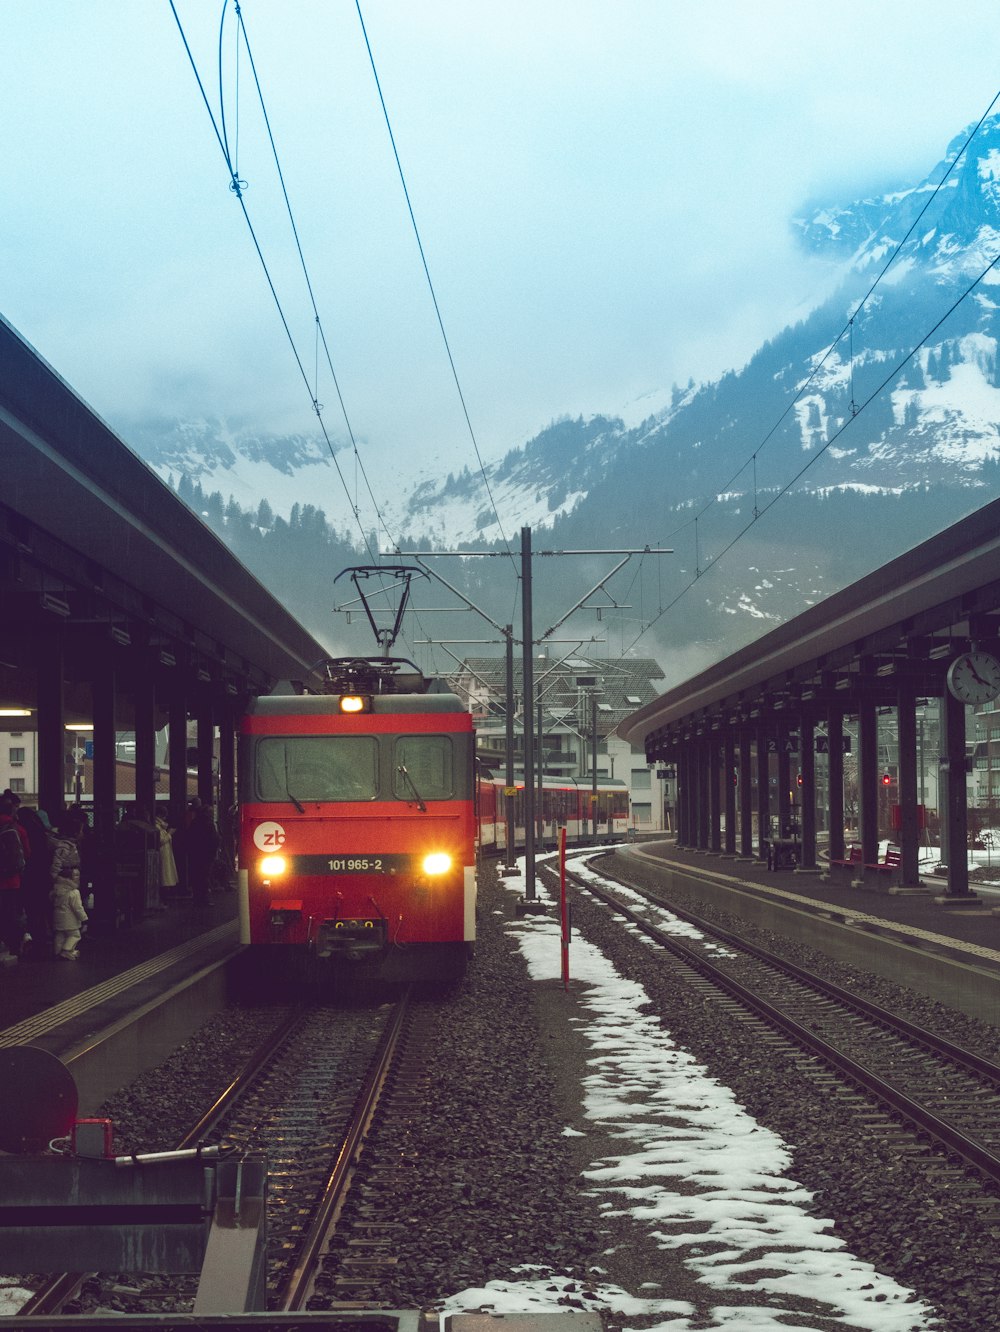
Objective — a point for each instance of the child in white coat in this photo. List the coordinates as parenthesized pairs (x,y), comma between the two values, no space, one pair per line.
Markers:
(68,915)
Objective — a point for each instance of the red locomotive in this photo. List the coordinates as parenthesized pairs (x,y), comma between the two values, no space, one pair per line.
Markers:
(357,823)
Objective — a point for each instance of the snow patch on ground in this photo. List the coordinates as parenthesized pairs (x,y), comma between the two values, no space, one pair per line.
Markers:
(695,1161)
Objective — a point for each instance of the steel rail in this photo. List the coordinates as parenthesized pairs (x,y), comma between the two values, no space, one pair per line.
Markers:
(941,1130)
(299,1285)
(957,1054)
(57,1292)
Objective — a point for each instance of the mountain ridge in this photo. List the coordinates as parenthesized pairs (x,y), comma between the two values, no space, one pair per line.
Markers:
(872,399)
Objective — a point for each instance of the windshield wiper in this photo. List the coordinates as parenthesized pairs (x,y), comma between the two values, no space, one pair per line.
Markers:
(409,782)
(300,808)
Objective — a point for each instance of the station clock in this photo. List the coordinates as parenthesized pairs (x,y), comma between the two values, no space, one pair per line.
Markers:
(974,677)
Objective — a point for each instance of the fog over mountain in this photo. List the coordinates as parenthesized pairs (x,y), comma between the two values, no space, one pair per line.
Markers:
(841,443)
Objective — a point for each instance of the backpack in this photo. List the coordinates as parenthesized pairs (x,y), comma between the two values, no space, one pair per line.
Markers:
(12,859)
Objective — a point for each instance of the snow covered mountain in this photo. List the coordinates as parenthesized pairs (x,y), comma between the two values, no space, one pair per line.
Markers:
(844,440)
(529,486)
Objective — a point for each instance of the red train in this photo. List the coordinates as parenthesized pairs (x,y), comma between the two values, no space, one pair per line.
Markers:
(566,802)
(357,824)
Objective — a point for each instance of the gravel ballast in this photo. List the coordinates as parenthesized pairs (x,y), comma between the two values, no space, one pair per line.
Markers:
(499,1190)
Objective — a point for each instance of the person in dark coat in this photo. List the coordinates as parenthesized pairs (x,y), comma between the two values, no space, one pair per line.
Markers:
(36,881)
(202,842)
(136,839)
(12,918)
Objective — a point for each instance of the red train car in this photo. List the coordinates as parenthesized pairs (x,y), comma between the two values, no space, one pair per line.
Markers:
(566,803)
(357,824)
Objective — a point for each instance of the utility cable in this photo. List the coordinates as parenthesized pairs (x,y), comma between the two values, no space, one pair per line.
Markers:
(849,421)
(238,188)
(321,334)
(847,330)
(430,285)
(318,323)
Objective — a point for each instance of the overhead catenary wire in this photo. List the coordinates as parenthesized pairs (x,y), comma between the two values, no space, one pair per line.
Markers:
(846,331)
(320,332)
(849,421)
(430,285)
(855,409)
(238,187)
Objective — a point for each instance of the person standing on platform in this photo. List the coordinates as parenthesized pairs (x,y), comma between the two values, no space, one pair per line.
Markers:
(15,849)
(168,865)
(68,919)
(65,863)
(202,842)
(137,863)
(36,879)
(179,847)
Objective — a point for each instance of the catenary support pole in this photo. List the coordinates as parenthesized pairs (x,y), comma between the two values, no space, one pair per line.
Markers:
(510,853)
(528,687)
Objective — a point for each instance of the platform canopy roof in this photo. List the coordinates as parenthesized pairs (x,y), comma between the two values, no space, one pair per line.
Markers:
(92,538)
(902,624)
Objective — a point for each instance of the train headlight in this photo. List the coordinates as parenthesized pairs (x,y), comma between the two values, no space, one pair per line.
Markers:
(272,867)
(355,703)
(438,862)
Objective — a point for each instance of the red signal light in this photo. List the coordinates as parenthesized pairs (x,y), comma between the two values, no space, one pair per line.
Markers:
(886,779)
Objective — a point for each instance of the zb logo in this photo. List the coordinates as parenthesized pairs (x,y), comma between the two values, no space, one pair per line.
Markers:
(268,836)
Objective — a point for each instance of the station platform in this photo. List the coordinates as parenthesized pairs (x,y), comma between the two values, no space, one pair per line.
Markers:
(949,952)
(55,1004)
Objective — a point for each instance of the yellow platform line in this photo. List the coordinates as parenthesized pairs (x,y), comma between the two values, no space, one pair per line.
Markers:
(50,1018)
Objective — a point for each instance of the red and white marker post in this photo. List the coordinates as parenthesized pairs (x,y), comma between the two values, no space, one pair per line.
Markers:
(563,909)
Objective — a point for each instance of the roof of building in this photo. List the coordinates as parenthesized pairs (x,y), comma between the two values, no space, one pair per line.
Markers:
(563,682)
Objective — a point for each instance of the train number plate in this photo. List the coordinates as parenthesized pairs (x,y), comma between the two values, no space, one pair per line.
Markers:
(350,864)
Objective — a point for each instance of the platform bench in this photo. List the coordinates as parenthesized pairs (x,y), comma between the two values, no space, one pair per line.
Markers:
(852,856)
(848,867)
(891,861)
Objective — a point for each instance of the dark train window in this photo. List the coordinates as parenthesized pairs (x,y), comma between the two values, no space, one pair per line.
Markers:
(317,767)
(429,763)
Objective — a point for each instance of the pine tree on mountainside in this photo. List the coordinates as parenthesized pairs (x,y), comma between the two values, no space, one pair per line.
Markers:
(928,442)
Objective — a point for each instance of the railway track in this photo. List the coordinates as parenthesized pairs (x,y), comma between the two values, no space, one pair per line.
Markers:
(307,1099)
(889,1071)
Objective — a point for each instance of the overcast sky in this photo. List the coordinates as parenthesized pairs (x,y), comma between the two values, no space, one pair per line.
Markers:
(603,191)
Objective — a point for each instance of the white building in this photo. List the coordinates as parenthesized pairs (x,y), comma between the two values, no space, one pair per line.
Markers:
(19,762)
(574,694)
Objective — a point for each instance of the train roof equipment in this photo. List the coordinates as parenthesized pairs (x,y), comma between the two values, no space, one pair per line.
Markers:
(379,684)
(403,574)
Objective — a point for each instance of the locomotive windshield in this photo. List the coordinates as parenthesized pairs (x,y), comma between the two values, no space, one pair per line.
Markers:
(317,767)
(427,761)
(354,767)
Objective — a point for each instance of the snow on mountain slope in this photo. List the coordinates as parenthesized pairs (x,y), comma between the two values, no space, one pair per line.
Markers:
(529,486)
(249,468)
(958,233)
(908,400)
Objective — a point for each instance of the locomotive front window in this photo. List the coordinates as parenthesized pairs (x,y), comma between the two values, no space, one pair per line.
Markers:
(428,761)
(317,767)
